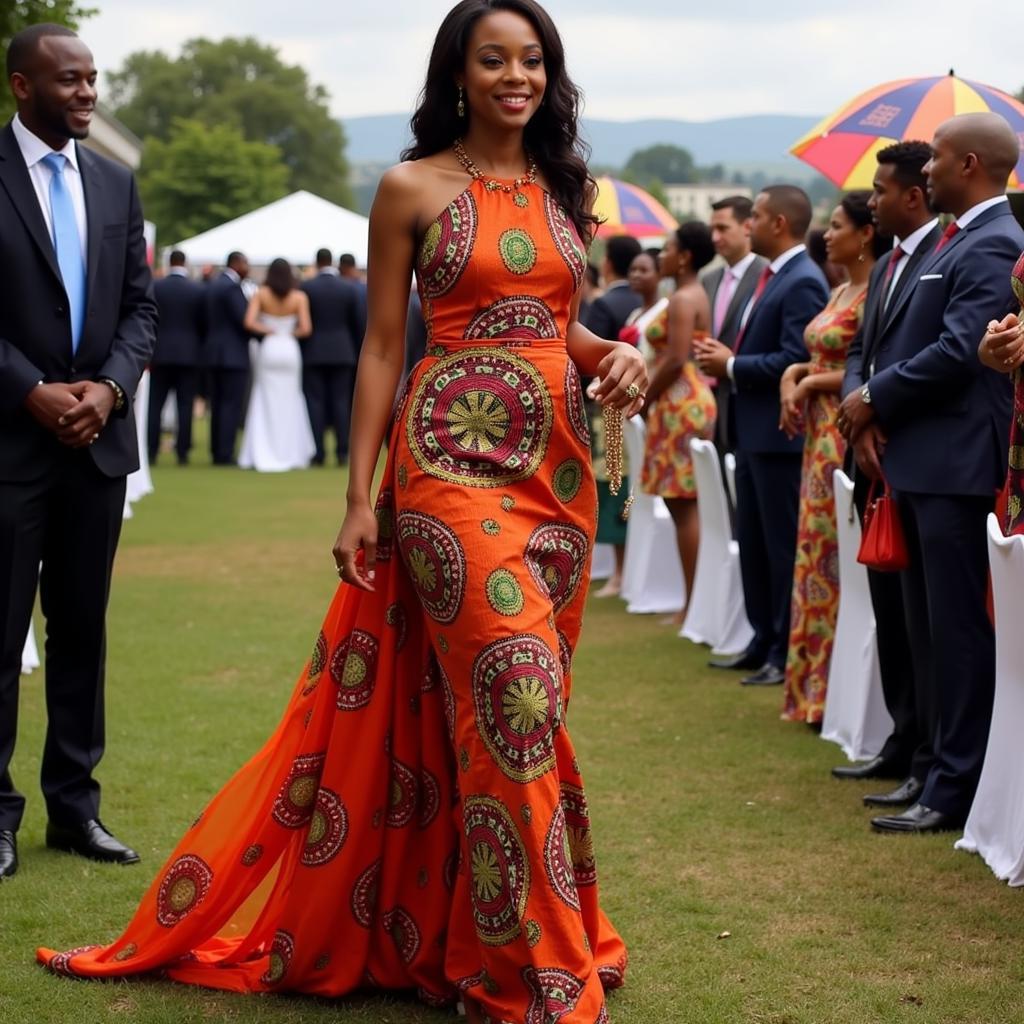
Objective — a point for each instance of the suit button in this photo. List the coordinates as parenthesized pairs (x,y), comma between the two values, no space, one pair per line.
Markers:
(74,370)
(59,310)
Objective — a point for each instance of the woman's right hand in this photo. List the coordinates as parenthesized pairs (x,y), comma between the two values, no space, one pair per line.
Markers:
(1002,348)
(358,532)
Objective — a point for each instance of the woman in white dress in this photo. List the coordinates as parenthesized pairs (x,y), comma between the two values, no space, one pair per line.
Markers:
(277,434)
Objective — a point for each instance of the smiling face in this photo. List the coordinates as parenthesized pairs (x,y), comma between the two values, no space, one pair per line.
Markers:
(56,94)
(504,76)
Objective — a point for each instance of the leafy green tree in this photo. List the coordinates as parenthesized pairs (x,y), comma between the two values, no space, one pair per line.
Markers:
(656,188)
(18,14)
(203,175)
(661,162)
(243,84)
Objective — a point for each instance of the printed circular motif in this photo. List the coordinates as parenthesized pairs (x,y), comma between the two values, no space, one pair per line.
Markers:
(516,702)
(491,527)
(281,953)
(430,798)
(396,618)
(317,663)
(449,703)
(504,594)
(558,861)
(602,1017)
(364,895)
(385,513)
(436,562)
(403,477)
(567,480)
(516,316)
(581,842)
(555,993)
(405,934)
(481,418)
(574,406)
(403,795)
(508,503)
(295,802)
(566,238)
(183,888)
(127,953)
(556,555)
(518,251)
(533,933)
(61,962)
(328,830)
(564,655)
(252,855)
(613,975)
(500,873)
(447,246)
(354,669)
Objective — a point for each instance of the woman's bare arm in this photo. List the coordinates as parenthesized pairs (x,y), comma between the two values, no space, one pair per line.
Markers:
(304,327)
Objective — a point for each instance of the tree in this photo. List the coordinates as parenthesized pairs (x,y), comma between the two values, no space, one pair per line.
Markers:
(204,175)
(243,84)
(1020,94)
(22,13)
(661,162)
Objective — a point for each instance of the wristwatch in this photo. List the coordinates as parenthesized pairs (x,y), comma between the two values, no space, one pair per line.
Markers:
(865,395)
(119,398)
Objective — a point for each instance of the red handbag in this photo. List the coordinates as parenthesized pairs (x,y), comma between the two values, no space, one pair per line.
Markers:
(882,544)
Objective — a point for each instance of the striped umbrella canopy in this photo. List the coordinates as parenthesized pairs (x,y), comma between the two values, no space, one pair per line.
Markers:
(627,209)
(843,146)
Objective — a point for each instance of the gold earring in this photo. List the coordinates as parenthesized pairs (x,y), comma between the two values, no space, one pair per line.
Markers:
(461,107)
(861,257)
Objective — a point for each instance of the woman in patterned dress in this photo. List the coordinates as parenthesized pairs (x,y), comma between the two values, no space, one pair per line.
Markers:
(680,404)
(1002,349)
(418,819)
(809,394)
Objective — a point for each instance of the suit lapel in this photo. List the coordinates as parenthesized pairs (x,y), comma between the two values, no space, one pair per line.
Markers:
(740,297)
(772,285)
(14,178)
(905,286)
(92,186)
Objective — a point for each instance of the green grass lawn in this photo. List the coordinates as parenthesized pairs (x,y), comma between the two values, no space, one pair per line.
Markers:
(710,815)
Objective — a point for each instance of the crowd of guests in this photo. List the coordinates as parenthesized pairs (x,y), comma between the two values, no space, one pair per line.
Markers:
(888,352)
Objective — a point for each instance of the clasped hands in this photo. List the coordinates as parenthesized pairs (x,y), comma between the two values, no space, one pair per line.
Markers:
(1002,348)
(75,413)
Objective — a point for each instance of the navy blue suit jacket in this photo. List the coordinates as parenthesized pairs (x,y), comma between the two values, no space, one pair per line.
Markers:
(336,310)
(227,340)
(772,340)
(947,417)
(609,312)
(182,305)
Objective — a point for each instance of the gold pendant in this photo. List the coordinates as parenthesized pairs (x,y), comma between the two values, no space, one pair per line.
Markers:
(520,200)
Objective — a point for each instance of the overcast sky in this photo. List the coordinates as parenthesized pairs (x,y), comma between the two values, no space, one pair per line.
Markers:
(633,58)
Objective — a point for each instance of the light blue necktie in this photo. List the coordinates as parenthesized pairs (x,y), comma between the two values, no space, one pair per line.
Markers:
(67,244)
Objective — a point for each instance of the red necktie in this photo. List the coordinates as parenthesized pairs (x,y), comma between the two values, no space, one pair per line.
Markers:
(890,273)
(762,283)
(950,231)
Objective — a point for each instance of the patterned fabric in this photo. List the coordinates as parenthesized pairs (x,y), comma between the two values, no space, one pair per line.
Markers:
(683,411)
(816,571)
(1014,521)
(334,860)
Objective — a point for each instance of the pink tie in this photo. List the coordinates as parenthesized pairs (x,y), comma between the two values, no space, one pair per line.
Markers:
(723,297)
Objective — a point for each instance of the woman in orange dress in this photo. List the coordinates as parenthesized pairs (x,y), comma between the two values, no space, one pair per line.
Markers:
(680,404)
(418,820)
(809,397)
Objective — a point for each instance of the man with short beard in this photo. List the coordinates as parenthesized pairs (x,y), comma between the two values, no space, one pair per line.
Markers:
(77,327)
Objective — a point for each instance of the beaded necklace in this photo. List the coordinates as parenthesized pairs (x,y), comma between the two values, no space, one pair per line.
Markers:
(492,184)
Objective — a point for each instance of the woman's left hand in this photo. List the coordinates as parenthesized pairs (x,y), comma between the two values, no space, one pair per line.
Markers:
(623,374)
(791,420)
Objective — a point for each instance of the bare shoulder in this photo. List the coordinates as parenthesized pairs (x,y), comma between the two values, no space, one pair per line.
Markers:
(420,189)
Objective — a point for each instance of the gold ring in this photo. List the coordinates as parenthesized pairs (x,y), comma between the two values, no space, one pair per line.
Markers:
(633,391)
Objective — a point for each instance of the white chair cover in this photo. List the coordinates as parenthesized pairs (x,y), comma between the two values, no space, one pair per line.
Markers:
(652,579)
(855,713)
(30,653)
(140,483)
(602,562)
(716,615)
(995,826)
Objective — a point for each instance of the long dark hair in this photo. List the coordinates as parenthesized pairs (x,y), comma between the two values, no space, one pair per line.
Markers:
(551,137)
(280,277)
(855,206)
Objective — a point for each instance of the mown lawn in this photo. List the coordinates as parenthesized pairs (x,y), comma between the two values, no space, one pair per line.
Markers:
(745,879)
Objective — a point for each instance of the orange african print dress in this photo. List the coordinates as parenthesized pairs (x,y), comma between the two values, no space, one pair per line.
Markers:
(815,602)
(418,819)
(1014,515)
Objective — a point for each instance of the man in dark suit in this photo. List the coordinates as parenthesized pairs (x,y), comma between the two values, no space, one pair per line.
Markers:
(608,313)
(76,329)
(730,287)
(901,209)
(227,356)
(942,421)
(330,353)
(175,363)
(790,292)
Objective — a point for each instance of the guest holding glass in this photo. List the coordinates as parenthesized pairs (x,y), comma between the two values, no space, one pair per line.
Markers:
(809,398)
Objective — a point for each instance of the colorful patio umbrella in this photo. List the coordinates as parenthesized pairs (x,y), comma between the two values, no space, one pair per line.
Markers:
(629,210)
(844,144)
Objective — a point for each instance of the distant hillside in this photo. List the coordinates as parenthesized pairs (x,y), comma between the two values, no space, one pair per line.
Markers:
(748,141)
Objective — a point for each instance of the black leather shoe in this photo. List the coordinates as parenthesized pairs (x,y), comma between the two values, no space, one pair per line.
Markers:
(918,819)
(89,839)
(744,661)
(876,768)
(766,675)
(906,793)
(8,853)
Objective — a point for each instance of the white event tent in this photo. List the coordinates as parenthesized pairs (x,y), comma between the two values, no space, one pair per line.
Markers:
(293,227)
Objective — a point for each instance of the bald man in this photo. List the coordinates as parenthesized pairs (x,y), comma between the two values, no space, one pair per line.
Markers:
(935,421)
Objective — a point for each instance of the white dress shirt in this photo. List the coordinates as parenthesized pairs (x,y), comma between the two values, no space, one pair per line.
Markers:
(177,272)
(33,149)
(978,209)
(909,245)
